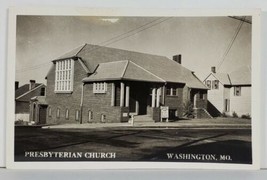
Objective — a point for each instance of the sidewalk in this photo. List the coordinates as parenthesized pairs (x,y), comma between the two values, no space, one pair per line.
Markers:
(218,123)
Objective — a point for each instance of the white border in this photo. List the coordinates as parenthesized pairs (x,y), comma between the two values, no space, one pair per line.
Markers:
(256,98)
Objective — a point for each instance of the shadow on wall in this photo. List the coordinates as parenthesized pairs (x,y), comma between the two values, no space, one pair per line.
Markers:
(214,112)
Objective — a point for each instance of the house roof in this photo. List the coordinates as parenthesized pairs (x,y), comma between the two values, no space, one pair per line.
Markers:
(23,89)
(241,76)
(122,70)
(223,78)
(28,94)
(160,66)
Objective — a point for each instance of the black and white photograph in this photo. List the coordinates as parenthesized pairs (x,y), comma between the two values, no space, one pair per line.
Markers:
(157,89)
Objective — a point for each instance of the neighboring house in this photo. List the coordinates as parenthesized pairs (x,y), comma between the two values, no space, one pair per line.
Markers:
(23,97)
(101,84)
(229,93)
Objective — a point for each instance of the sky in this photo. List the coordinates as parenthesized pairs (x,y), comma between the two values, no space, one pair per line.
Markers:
(202,41)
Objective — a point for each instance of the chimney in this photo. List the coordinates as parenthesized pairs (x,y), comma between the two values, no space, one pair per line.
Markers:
(32,84)
(177,58)
(16,85)
(213,69)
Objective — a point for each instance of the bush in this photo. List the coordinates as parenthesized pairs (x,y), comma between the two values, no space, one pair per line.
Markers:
(235,115)
(246,116)
(224,115)
(188,110)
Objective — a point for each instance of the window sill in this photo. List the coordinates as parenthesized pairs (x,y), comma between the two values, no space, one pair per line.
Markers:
(63,92)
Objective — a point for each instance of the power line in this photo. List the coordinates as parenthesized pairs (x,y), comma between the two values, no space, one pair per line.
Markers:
(107,42)
(129,31)
(231,43)
(129,35)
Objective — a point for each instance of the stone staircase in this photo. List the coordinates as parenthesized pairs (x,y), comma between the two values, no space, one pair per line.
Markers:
(202,113)
(143,119)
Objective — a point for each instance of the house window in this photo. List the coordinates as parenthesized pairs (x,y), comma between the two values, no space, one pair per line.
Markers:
(77,115)
(174,92)
(58,113)
(168,91)
(215,84)
(208,83)
(64,76)
(67,114)
(227,105)
(237,91)
(99,88)
(171,91)
(42,92)
(103,118)
(49,112)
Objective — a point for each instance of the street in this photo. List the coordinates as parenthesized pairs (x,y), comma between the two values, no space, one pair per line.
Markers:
(138,144)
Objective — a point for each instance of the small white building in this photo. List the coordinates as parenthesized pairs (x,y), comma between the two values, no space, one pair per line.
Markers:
(229,92)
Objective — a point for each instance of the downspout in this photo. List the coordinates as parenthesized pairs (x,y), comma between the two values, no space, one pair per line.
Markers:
(81,105)
(163,93)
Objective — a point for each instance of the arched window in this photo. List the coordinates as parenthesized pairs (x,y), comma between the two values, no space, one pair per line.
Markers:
(90,116)
(103,118)
(77,115)
(58,113)
(67,114)
(49,112)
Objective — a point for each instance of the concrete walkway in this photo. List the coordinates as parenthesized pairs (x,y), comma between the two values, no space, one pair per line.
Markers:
(218,123)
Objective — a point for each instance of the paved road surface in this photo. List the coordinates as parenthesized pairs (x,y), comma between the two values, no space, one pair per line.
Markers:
(138,144)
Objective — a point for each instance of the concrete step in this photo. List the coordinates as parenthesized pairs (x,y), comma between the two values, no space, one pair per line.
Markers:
(143,118)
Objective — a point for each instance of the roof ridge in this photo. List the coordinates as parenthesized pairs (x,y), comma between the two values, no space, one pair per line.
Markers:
(126,66)
(113,62)
(126,50)
(228,75)
(80,49)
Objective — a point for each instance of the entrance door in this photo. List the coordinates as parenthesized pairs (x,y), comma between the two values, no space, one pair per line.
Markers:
(226,105)
(42,114)
(138,98)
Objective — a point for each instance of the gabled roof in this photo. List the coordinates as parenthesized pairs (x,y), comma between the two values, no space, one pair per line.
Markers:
(241,76)
(222,77)
(160,66)
(122,70)
(72,53)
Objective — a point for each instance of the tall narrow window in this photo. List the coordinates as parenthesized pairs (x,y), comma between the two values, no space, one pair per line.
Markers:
(237,91)
(64,75)
(77,115)
(168,91)
(174,91)
(49,112)
(42,93)
(67,114)
(215,84)
(58,113)
(90,116)
(208,83)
